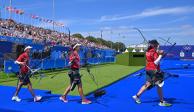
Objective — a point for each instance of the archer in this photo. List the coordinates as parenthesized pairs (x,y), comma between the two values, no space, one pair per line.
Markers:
(23,76)
(153,73)
(74,75)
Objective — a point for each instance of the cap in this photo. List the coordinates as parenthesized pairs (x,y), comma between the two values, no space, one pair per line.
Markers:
(28,47)
(76,45)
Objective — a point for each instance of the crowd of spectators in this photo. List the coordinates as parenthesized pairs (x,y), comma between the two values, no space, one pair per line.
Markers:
(9,27)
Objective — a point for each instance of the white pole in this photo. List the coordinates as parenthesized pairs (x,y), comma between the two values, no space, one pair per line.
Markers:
(101,34)
(22,18)
(111,37)
(30,21)
(4,10)
(10,4)
(53,13)
(0,10)
(19,18)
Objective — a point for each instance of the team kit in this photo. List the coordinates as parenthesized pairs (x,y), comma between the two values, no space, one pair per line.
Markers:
(154,76)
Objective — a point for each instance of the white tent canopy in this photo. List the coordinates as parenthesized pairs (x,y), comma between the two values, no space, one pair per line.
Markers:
(133,50)
(126,51)
(138,46)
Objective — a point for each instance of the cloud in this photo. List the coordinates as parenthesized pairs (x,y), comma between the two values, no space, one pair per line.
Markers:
(182,34)
(150,13)
(177,20)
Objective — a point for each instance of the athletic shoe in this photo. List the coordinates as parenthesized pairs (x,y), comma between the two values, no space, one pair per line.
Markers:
(137,100)
(37,98)
(16,98)
(63,99)
(86,101)
(164,104)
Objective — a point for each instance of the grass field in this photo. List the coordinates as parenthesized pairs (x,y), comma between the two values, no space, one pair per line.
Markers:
(104,74)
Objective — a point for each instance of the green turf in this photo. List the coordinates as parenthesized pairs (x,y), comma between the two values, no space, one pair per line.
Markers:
(122,59)
(131,59)
(137,59)
(5,78)
(104,74)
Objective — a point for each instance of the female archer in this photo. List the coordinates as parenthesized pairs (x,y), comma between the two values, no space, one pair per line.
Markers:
(74,75)
(23,77)
(153,73)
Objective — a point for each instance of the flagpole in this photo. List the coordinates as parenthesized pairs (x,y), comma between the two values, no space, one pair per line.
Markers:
(53,14)
(69,35)
(10,4)
(3,14)
(0,9)
(101,33)
(111,32)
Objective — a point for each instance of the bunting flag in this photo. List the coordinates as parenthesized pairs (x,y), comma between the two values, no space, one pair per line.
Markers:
(14,10)
(10,9)
(50,21)
(34,16)
(20,12)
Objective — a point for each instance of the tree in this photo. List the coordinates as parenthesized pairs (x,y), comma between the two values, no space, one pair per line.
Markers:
(78,35)
(117,45)
(92,39)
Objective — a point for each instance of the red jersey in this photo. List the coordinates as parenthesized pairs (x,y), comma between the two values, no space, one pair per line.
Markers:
(151,56)
(75,59)
(23,58)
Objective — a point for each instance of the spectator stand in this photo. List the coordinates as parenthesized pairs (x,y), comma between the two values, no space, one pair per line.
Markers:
(56,56)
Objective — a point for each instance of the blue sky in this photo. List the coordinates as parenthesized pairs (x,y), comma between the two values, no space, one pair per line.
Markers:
(116,18)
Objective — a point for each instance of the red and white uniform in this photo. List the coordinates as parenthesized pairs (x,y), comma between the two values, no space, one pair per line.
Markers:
(23,58)
(151,56)
(75,60)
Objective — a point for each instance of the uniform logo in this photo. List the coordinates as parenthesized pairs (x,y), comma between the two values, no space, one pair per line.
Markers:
(9,68)
(182,54)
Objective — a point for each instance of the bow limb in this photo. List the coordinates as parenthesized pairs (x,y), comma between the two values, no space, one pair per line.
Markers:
(145,40)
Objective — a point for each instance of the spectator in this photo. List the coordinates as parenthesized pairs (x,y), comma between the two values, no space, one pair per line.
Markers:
(9,27)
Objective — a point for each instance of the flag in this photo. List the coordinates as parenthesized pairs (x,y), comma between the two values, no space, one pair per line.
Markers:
(10,9)
(19,12)
(34,16)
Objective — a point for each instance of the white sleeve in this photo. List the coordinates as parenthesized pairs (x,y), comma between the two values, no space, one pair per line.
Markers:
(158,59)
(17,62)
